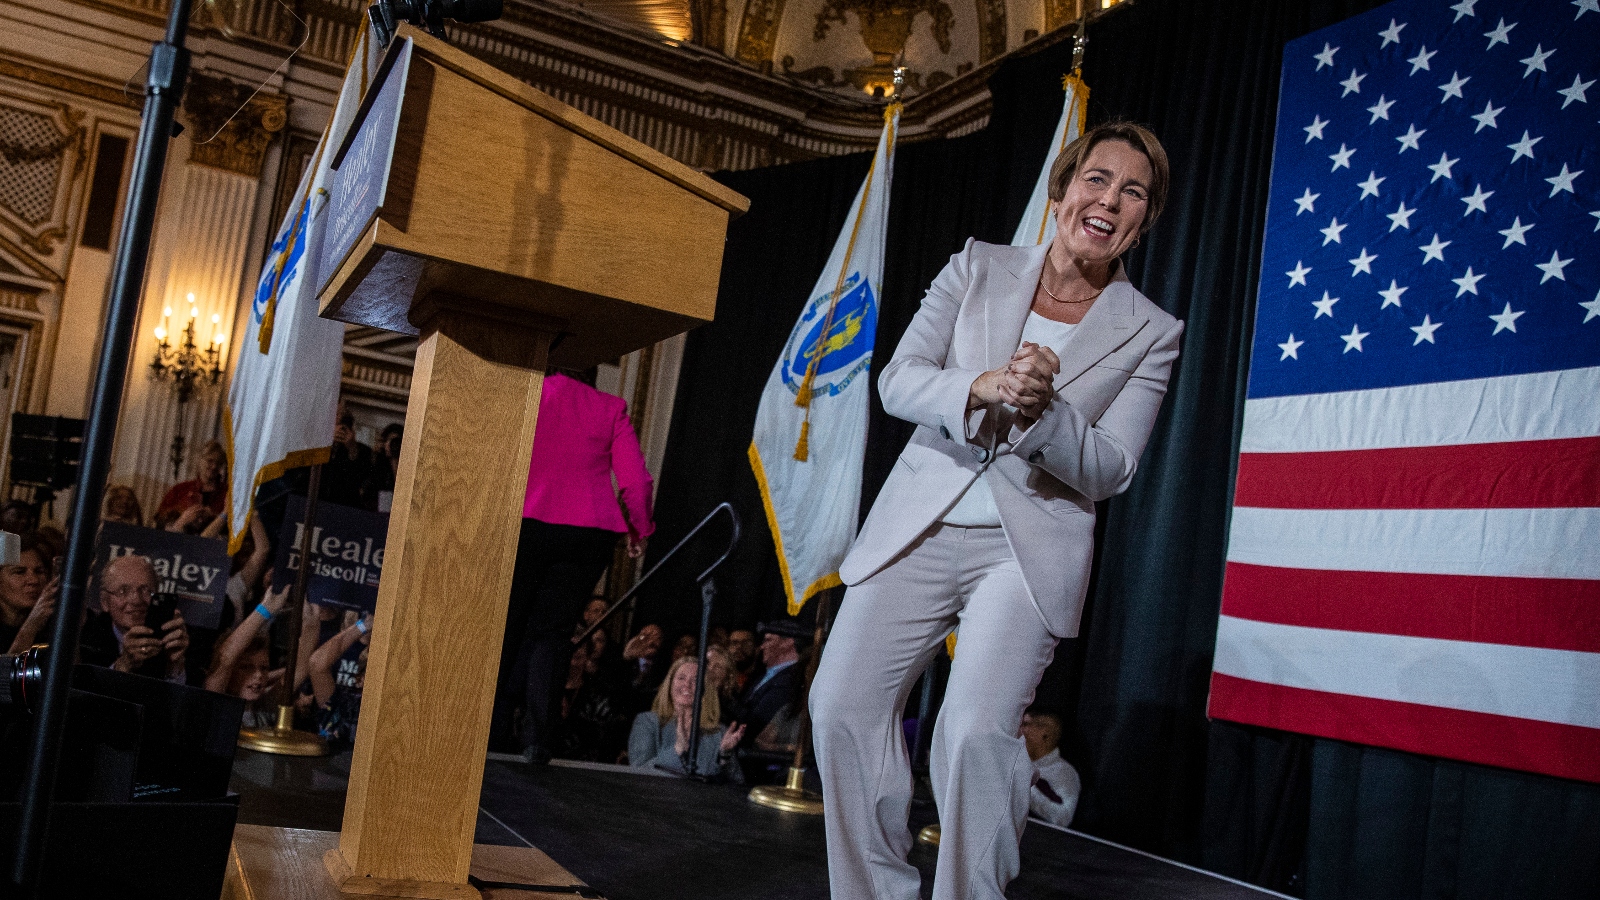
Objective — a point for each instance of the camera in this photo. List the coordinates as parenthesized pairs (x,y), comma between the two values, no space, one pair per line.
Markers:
(388,15)
(24,678)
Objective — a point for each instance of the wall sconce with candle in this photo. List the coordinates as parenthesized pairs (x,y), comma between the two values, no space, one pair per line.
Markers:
(186,366)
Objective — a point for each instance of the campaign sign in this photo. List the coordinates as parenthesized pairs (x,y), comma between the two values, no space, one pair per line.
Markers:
(193,567)
(346,553)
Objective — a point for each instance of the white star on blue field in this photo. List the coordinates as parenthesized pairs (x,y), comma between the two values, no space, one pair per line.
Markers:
(1436,174)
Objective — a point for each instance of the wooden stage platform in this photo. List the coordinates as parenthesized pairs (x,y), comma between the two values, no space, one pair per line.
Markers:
(637,836)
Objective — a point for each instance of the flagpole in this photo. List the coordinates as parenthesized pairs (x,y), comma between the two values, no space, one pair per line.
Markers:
(282,738)
(168,69)
(792,796)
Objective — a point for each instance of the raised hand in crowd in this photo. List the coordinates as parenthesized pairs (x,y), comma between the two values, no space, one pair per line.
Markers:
(644,645)
(242,637)
(192,519)
(33,626)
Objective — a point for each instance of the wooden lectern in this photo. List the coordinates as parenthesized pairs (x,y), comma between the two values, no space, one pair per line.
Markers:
(511,232)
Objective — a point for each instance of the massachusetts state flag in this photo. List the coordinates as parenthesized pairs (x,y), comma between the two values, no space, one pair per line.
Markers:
(1038,226)
(1414,554)
(811,428)
(286,380)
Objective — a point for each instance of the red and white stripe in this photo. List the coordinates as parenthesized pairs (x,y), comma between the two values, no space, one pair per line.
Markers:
(1419,567)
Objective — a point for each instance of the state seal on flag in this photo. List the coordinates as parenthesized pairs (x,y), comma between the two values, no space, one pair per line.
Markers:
(845,351)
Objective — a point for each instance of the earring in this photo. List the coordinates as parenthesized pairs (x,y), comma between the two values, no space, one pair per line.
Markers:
(1136,242)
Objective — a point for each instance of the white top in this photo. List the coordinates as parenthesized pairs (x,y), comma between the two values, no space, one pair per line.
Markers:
(976,507)
(1064,784)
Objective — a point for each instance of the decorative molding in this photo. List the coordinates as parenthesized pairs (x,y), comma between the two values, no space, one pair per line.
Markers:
(758,33)
(1061,12)
(42,145)
(232,124)
(991,29)
(70,84)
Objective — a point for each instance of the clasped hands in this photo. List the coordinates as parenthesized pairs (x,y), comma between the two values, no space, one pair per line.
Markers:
(1026,382)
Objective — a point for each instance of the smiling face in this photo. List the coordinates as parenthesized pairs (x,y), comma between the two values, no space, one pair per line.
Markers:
(683,685)
(1105,203)
(126,584)
(20,585)
(250,675)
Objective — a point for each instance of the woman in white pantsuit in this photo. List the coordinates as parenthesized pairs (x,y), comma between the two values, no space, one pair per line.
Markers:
(1034,375)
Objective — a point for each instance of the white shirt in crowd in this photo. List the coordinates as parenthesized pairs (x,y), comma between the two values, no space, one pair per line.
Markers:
(1053,775)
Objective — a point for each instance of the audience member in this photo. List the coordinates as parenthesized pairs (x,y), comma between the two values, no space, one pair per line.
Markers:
(19,517)
(27,596)
(250,569)
(685,647)
(660,735)
(242,663)
(587,488)
(348,466)
(121,504)
(1054,795)
(641,658)
(742,653)
(119,637)
(207,490)
(378,491)
(775,697)
(719,674)
(338,671)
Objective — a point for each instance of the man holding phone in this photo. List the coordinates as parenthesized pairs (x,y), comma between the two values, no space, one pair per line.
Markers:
(138,630)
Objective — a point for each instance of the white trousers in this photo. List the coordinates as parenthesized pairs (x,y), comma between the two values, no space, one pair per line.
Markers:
(888,630)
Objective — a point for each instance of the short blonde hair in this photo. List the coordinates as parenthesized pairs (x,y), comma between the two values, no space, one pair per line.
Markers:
(710,708)
(1140,138)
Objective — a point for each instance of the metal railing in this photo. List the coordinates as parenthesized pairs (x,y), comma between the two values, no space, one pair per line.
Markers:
(708,593)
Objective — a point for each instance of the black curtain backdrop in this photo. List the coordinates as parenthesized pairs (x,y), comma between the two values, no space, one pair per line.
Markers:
(1311,817)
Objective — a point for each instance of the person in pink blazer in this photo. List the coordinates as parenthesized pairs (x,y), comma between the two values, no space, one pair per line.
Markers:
(1033,375)
(572,519)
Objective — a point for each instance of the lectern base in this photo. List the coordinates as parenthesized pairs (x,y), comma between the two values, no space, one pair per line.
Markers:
(293,864)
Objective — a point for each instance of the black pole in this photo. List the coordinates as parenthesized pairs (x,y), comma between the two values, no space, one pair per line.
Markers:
(297,597)
(169,67)
(708,595)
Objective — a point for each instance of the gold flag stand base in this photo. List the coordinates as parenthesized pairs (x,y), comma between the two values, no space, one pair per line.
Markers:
(792,797)
(283,739)
(929,836)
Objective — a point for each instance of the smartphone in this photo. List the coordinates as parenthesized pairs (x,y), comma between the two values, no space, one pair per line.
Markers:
(162,608)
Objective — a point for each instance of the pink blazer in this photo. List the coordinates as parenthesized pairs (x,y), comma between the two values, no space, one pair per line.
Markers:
(582,439)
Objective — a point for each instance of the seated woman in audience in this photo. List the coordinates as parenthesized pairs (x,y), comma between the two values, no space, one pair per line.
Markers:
(719,674)
(121,504)
(242,663)
(661,734)
(27,596)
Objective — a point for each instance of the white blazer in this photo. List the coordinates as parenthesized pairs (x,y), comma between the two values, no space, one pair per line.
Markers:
(1085,447)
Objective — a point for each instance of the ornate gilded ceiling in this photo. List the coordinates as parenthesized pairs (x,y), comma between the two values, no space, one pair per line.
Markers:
(849,45)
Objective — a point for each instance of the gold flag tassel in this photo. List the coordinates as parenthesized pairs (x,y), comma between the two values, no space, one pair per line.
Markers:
(802,447)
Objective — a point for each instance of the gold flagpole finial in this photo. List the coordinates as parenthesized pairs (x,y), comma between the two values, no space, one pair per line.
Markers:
(899,83)
(1081,41)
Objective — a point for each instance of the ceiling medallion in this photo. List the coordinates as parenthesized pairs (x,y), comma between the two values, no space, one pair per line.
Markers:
(885,27)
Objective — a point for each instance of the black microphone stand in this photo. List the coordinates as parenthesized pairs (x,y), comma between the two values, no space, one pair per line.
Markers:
(168,69)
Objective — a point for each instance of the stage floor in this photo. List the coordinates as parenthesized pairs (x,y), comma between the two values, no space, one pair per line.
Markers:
(638,836)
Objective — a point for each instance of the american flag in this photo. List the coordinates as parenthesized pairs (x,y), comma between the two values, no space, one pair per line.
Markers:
(1414,551)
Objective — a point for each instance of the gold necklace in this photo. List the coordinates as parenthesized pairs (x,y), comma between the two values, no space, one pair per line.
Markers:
(1059,300)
